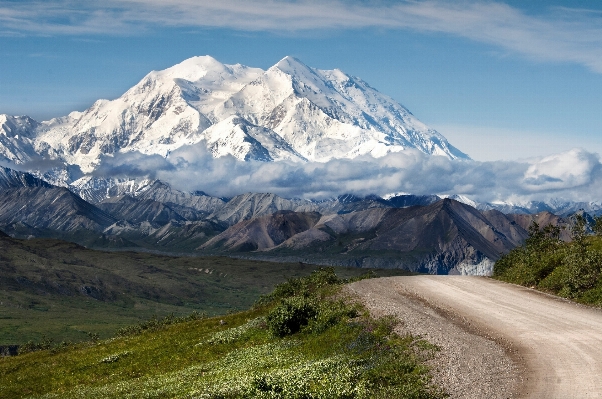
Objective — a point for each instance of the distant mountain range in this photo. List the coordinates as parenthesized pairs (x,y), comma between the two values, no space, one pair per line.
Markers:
(289,113)
(418,233)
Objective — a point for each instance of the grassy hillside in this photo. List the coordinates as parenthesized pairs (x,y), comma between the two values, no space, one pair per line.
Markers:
(63,291)
(302,341)
(569,269)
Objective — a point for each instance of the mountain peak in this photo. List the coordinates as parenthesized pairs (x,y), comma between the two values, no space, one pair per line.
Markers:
(194,68)
(292,66)
(290,60)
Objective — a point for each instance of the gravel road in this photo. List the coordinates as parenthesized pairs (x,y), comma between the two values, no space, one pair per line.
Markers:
(497,340)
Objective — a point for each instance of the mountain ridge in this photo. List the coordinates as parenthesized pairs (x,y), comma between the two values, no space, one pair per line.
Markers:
(421,233)
(445,237)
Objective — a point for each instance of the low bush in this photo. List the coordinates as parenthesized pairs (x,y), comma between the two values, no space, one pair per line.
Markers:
(289,316)
(304,286)
(569,269)
(31,346)
(154,324)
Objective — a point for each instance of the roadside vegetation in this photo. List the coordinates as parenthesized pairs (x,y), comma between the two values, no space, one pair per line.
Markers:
(569,269)
(304,340)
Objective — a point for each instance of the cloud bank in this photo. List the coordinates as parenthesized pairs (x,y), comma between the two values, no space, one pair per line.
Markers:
(574,175)
(557,34)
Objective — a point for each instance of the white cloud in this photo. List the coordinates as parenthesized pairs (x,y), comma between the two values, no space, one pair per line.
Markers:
(566,170)
(572,175)
(557,34)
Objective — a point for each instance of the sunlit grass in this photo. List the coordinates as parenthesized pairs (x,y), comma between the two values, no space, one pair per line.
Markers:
(339,352)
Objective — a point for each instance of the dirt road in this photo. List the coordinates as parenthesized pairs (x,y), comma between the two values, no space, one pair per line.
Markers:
(514,341)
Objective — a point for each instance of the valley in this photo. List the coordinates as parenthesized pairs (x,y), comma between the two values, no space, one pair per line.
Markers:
(302,339)
(64,292)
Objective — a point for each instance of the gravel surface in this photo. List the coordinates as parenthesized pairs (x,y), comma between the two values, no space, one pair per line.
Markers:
(468,365)
(497,339)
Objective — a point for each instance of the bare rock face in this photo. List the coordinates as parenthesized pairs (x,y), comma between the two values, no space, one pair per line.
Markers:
(542,219)
(10,178)
(53,208)
(441,237)
(250,205)
(263,232)
(138,211)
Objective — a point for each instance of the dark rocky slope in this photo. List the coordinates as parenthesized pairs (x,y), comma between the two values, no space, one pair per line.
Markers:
(444,237)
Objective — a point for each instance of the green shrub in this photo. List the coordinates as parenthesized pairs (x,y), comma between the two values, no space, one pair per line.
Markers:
(532,262)
(578,272)
(583,270)
(570,269)
(154,324)
(331,313)
(303,286)
(301,304)
(292,314)
(31,346)
(597,226)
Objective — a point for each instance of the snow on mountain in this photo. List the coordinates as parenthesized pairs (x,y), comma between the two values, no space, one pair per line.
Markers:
(10,178)
(96,189)
(237,136)
(461,198)
(289,112)
(159,114)
(328,114)
(556,206)
(16,138)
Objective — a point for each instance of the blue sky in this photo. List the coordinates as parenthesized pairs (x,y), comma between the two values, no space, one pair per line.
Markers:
(501,80)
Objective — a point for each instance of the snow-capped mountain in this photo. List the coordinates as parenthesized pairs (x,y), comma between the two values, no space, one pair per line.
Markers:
(289,112)
(96,190)
(556,206)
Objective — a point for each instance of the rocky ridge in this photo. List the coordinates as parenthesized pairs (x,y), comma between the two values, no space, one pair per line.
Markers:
(419,233)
